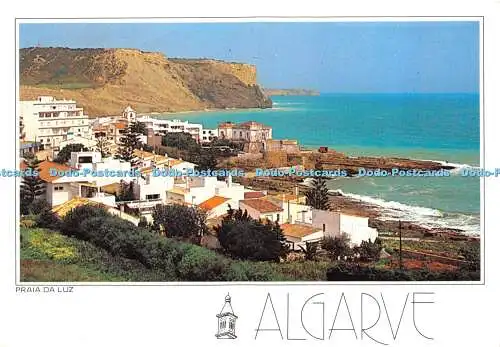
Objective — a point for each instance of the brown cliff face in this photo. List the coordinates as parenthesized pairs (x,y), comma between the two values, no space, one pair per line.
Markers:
(104,81)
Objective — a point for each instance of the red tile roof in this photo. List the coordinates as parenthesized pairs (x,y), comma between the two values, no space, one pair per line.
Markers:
(44,170)
(262,205)
(213,202)
(254,195)
(297,230)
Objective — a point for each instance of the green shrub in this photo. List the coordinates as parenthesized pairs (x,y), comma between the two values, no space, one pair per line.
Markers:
(355,272)
(244,238)
(201,264)
(48,219)
(180,221)
(73,219)
(252,271)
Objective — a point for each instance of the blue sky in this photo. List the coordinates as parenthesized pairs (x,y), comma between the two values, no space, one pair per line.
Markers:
(369,57)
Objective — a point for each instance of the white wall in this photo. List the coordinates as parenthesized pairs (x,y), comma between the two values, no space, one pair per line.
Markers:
(357,229)
(153,185)
(58,197)
(236,192)
(330,219)
(296,213)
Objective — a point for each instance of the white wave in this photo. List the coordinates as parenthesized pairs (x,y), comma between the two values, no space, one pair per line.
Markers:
(423,216)
(456,166)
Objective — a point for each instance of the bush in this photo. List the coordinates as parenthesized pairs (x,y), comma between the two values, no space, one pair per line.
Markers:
(337,246)
(356,272)
(200,264)
(180,221)
(116,235)
(38,205)
(71,222)
(48,219)
(370,251)
(250,240)
(472,254)
(252,271)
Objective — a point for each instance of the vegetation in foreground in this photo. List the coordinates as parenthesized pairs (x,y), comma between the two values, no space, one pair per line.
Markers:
(89,244)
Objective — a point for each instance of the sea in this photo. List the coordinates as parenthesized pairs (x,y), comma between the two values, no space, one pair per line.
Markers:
(437,127)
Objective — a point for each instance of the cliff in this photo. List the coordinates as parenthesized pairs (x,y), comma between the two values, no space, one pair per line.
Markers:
(104,81)
(271,92)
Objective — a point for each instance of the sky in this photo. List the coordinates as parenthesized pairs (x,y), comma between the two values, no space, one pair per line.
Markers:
(335,57)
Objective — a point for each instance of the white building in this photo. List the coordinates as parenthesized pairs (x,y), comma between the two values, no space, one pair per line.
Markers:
(262,209)
(164,126)
(50,121)
(227,195)
(248,131)
(209,135)
(65,182)
(329,224)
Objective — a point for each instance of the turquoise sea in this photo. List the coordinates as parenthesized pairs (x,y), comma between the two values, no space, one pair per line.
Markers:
(440,127)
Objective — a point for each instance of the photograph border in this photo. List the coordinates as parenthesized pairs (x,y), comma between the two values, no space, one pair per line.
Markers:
(249,19)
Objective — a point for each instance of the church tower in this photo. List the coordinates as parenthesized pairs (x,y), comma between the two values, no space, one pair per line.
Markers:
(226,321)
(129,114)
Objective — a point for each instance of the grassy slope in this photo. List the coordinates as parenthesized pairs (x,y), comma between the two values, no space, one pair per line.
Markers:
(51,257)
(47,256)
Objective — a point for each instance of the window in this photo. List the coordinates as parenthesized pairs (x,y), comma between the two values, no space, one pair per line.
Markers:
(152,196)
(85,160)
(231,324)
(58,188)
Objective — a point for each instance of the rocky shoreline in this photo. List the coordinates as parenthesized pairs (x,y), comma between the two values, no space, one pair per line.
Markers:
(352,206)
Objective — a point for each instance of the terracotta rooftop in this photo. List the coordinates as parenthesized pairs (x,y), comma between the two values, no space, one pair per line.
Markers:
(254,195)
(120,125)
(143,154)
(44,170)
(297,230)
(262,205)
(213,202)
(62,209)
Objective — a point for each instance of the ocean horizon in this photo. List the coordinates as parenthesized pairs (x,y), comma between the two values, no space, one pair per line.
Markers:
(427,126)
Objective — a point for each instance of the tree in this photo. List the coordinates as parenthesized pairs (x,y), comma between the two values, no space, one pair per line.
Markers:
(370,251)
(125,191)
(317,195)
(102,146)
(48,219)
(244,238)
(310,250)
(285,247)
(138,128)
(32,186)
(182,141)
(336,246)
(180,221)
(205,159)
(64,154)
(129,142)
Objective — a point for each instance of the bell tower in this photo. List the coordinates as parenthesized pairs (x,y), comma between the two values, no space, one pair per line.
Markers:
(226,321)
(129,114)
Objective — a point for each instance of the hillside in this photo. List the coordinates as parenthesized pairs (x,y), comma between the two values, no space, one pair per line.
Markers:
(104,81)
